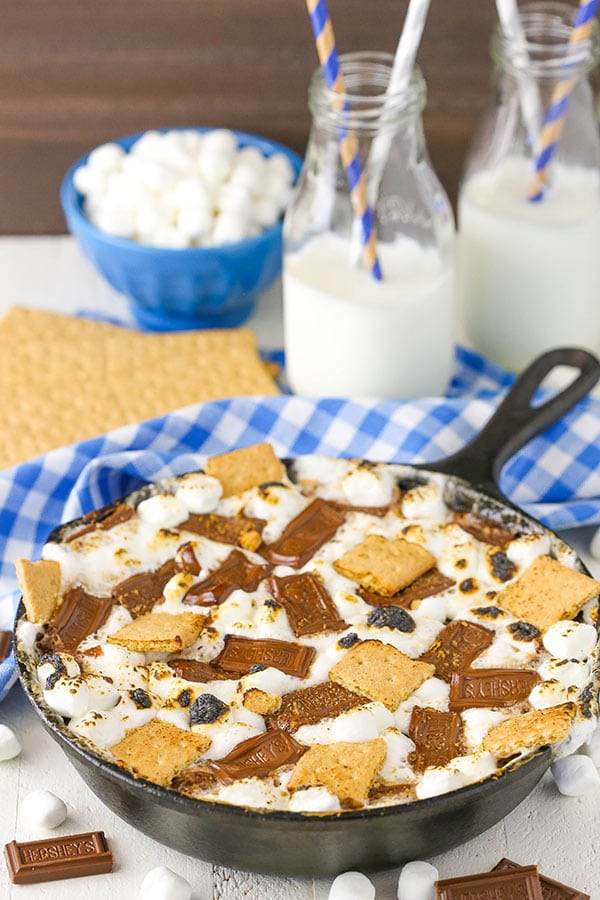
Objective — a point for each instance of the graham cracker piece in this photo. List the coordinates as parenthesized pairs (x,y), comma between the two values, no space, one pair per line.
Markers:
(546,592)
(40,585)
(159,750)
(70,379)
(248,467)
(346,769)
(532,729)
(160,632)
(383,565)
(261,702)
(380,672)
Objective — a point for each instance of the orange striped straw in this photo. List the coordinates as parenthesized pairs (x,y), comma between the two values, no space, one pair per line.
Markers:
(555,117)
(349,148)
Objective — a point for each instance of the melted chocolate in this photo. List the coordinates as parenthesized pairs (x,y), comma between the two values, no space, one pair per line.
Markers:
(308,604)
(5,641)
(102,520)
(239,531)
(456,646)
(194,670)
(437,736)
(78,615)
(304,535)
(257,757)
(140,592)
(236,573)
(309,705)
(427,585)
(483,529)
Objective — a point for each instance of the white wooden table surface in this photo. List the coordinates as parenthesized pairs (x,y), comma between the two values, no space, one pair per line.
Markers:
(561,835)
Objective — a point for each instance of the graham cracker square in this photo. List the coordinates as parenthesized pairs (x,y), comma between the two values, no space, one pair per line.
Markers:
(346,769)
(159,750)
(160,632)
(383,565)
(242,469)
(380,672)
(533,729)
(546,592)
(40,585)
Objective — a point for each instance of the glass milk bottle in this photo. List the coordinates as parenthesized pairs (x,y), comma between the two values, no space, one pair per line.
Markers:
(346,333)
(529,271)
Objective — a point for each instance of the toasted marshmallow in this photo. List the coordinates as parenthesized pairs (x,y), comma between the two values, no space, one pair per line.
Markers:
(199,493)
(163,511)
(69,696)
(570,640)
(314,799)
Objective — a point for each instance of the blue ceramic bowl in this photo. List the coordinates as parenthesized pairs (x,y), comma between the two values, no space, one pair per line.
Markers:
(199,287)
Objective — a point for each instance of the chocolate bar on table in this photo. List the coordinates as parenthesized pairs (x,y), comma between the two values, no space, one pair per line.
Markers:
(52,859)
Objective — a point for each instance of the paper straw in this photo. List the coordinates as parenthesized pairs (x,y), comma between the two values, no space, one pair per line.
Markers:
(555,117)
(402,67)
(529,98)
(349,148)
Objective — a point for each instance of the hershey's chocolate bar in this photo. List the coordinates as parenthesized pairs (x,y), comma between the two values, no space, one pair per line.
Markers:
(52,859)
(307,602)
(239,531)
(437,736)
(235,573)
(523,884)
(257,756)
(78,615)
(456,646)
(239,655)
(304,535)
(140,592)
(426,585)
(309,705)
(551,890)
(491,687)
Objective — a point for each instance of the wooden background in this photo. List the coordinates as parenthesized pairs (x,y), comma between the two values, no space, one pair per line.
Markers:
(74,73)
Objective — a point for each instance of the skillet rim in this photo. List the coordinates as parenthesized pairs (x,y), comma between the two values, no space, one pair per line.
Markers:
(175,799)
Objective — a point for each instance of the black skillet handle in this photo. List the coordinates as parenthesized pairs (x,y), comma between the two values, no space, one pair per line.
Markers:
(516,421)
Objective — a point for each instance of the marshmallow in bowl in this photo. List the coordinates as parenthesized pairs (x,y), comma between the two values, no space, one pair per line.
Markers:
(162,883)
(182,188)
(43,808)
(314,799)
(198,492)
(104,729)
(10,746)
(69,696)
(163,511)
(570,640)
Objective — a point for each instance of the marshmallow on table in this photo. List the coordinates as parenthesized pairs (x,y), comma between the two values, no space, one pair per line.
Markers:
(44,808)
(352,885)
(417,881)
(9,743)
(592,747)
(162,883)
(575,776)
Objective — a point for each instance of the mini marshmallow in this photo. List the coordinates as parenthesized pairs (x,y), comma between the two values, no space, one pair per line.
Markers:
(567,672)
(266,212)
(592,747)
(199,493)
(162,883)
(70,696)
(352,886)
(219,142)
(118,222)
(162,510)
(194,222)
(106,158)
(9,743)
(280,165)
(228,229)
(314,799)
(575,776)
(550,693)
(368,487)
(89,181)
(43,808)
(169,238)
(417,881)
(595,545)
(103,695)
(56,662)
(355,725)
(570,640)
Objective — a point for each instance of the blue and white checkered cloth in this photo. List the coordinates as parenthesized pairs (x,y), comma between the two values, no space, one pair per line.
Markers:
(556,477)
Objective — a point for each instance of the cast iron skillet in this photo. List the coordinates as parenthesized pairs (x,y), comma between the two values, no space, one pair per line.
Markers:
(298,845)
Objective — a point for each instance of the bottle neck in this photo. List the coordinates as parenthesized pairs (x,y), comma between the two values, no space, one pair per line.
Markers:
(366,107)
(547,53)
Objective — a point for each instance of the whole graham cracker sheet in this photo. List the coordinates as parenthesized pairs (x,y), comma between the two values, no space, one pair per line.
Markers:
(65,379)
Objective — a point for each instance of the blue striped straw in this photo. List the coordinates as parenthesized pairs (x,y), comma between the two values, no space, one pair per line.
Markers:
(349,148)
(555,117)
